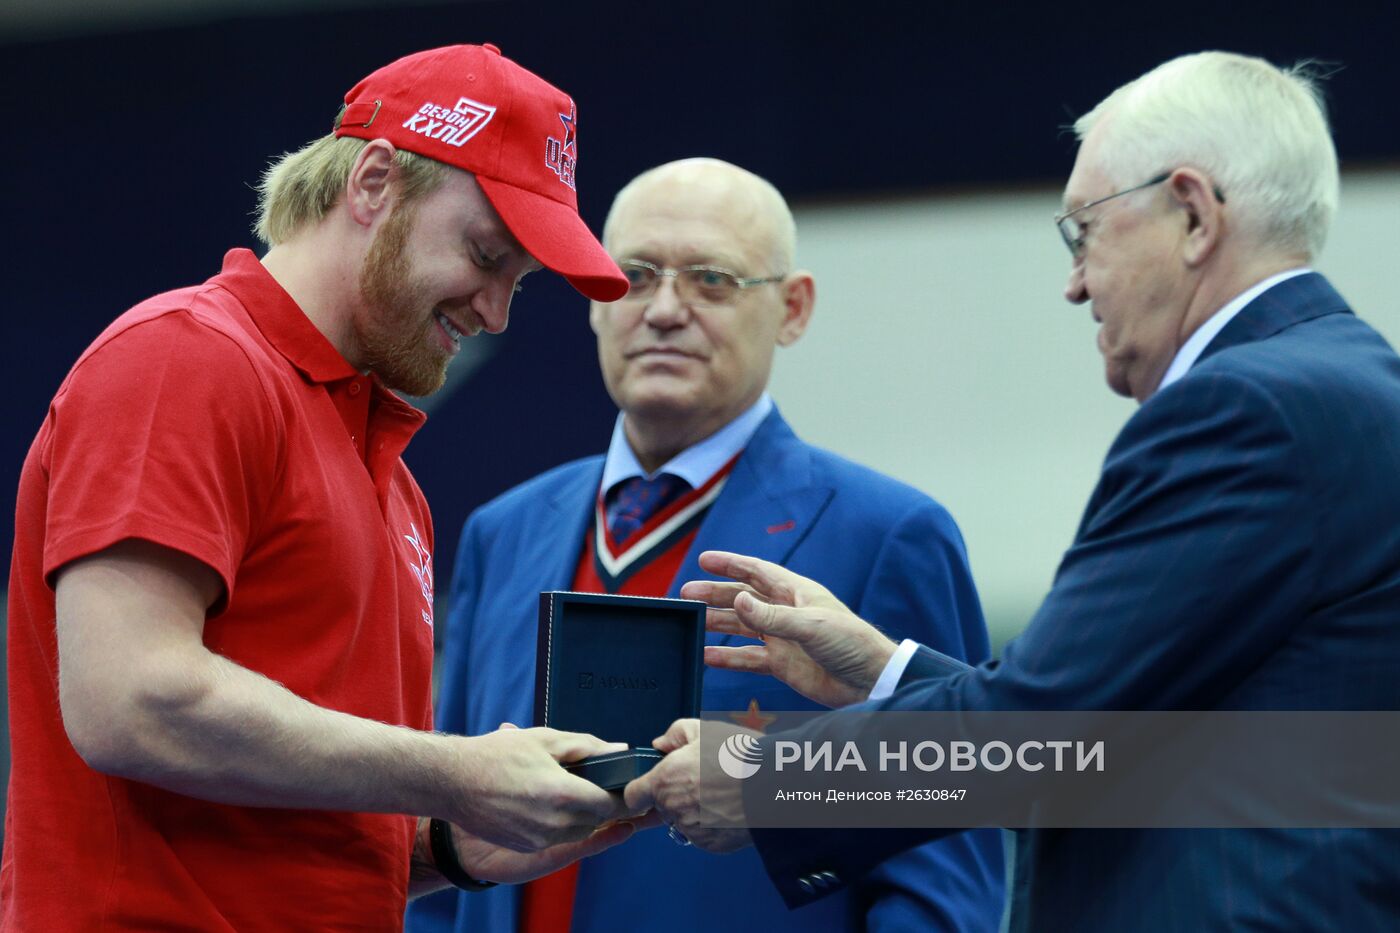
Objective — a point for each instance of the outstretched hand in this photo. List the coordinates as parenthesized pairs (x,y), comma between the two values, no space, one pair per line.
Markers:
(811,641)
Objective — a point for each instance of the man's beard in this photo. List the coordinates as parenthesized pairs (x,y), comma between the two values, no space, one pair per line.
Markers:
(393,333)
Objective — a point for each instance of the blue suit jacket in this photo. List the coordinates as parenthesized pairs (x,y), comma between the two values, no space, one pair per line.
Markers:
(884,548)
(1241,551)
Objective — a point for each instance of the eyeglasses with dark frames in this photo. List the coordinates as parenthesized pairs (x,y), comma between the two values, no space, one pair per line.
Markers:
(1072,231)
(703,285)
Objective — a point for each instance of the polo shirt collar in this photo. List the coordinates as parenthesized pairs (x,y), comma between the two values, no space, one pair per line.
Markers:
(281,319)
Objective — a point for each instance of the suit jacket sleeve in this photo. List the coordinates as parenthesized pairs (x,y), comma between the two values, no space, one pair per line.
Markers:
(1192,563)
(921,587)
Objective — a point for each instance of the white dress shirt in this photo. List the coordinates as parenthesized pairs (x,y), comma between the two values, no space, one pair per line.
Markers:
(1196,344)
(697,463)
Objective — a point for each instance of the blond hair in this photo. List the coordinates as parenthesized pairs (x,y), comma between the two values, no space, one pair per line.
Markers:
(299,188)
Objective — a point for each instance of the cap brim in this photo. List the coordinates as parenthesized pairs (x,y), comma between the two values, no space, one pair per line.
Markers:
(556,236)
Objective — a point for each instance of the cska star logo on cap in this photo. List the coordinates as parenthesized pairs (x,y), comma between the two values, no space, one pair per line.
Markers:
(561,155)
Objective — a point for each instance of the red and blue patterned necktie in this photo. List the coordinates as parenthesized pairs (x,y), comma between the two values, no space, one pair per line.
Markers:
(637,499)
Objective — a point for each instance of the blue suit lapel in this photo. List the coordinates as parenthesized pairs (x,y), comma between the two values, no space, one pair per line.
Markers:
(768,506)
(555,551)
(1290,302)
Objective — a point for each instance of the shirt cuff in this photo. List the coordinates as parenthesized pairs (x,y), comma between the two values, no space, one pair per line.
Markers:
(889,677)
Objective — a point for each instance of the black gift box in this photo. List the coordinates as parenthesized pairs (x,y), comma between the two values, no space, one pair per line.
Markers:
(622,668)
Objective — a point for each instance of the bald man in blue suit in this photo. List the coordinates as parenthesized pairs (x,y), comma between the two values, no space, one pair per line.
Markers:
(709,248)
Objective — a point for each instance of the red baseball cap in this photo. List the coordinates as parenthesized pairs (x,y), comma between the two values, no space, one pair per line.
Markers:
(471,107)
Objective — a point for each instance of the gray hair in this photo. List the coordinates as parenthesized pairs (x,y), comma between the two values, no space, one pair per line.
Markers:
(1260,132)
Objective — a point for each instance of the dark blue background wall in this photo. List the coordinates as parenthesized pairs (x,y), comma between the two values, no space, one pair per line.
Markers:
(130,157)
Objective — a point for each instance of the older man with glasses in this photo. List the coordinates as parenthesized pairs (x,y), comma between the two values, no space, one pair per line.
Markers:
(700,458)
(1240,552)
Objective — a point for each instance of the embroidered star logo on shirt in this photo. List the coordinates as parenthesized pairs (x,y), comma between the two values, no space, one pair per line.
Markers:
(422,567)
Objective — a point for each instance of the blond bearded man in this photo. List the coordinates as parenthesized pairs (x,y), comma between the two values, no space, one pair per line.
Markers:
(220,620)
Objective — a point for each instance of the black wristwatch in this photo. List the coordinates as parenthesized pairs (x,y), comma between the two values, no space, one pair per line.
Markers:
(445,858)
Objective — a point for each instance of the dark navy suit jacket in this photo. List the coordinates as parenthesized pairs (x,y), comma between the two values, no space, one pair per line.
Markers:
(1241,551)
(884,548)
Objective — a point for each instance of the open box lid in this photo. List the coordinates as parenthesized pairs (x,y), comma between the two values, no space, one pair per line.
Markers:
(622,668)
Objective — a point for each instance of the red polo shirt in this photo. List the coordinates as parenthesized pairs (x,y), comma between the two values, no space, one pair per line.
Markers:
(216,420)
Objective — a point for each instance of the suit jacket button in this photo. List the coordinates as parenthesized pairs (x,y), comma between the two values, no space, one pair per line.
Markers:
(829,877)
(806,885)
